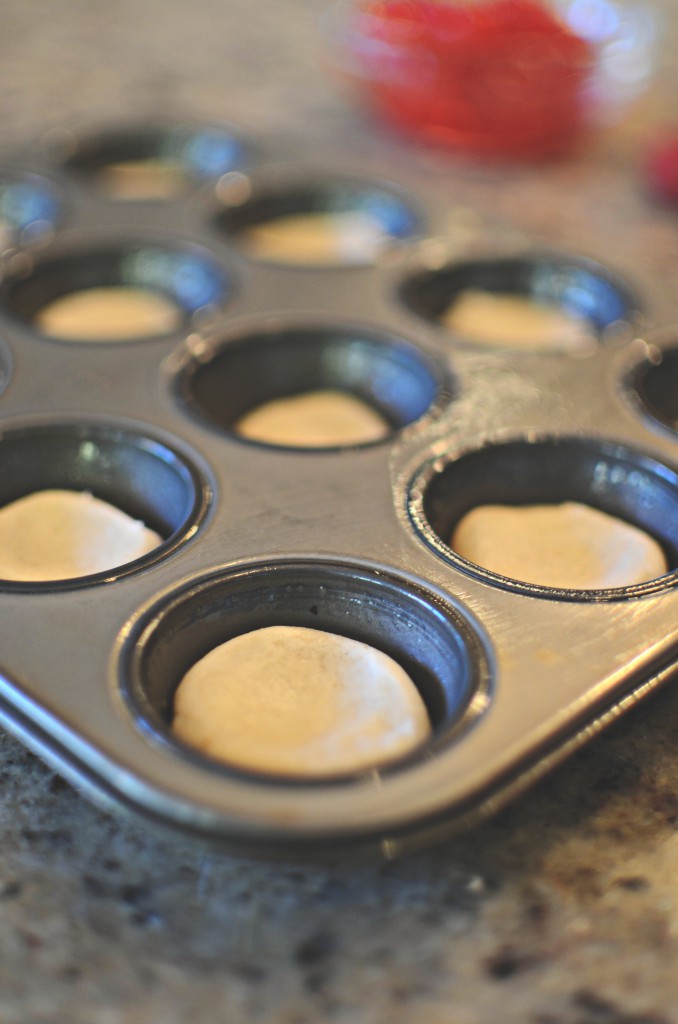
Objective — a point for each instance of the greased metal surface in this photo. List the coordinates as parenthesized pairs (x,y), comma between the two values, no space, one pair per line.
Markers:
(348,540)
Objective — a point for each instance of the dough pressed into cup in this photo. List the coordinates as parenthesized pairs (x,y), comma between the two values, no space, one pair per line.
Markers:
(516,321)
(316,419)
(60,534)
(110,313)
(295,701)
(570,546)
(322,238)
(142,179)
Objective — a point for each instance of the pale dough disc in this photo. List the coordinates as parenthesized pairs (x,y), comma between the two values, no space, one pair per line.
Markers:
(316,419)
(296,701)
(570,545)
(108,314)
(142,179)
(323,238)
(516,321)
(59,535)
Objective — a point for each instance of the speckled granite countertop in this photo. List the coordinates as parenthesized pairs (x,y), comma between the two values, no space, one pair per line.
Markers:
(561,910)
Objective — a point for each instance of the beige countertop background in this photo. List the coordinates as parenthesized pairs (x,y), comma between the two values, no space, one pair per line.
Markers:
(563,909)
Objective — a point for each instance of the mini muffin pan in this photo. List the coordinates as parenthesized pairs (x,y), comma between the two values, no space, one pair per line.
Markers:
(352,540)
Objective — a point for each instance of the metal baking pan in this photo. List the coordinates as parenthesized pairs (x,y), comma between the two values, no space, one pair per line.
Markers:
(350,540)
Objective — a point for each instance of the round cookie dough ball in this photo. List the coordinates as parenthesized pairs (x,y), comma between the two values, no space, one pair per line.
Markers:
(351,237)
(315,419)
(59,535)
(570,546)
(295,701)
(113,313)
(516,321)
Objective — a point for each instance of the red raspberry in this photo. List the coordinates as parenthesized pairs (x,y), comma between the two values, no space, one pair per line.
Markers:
(499,77)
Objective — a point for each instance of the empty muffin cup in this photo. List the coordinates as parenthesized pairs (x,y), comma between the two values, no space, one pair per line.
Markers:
(137,163)
(116,292)
(555,497)
(93,491)
(430,642)
(313,387)
(556,304)
(328,223)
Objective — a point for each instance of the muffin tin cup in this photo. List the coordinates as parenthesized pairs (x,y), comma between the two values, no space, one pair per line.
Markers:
(352,540)
(247,202)
(580,288)
(237,373)
(186,275)
(432,640)
(200,152)
(137,474)
(625,484)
